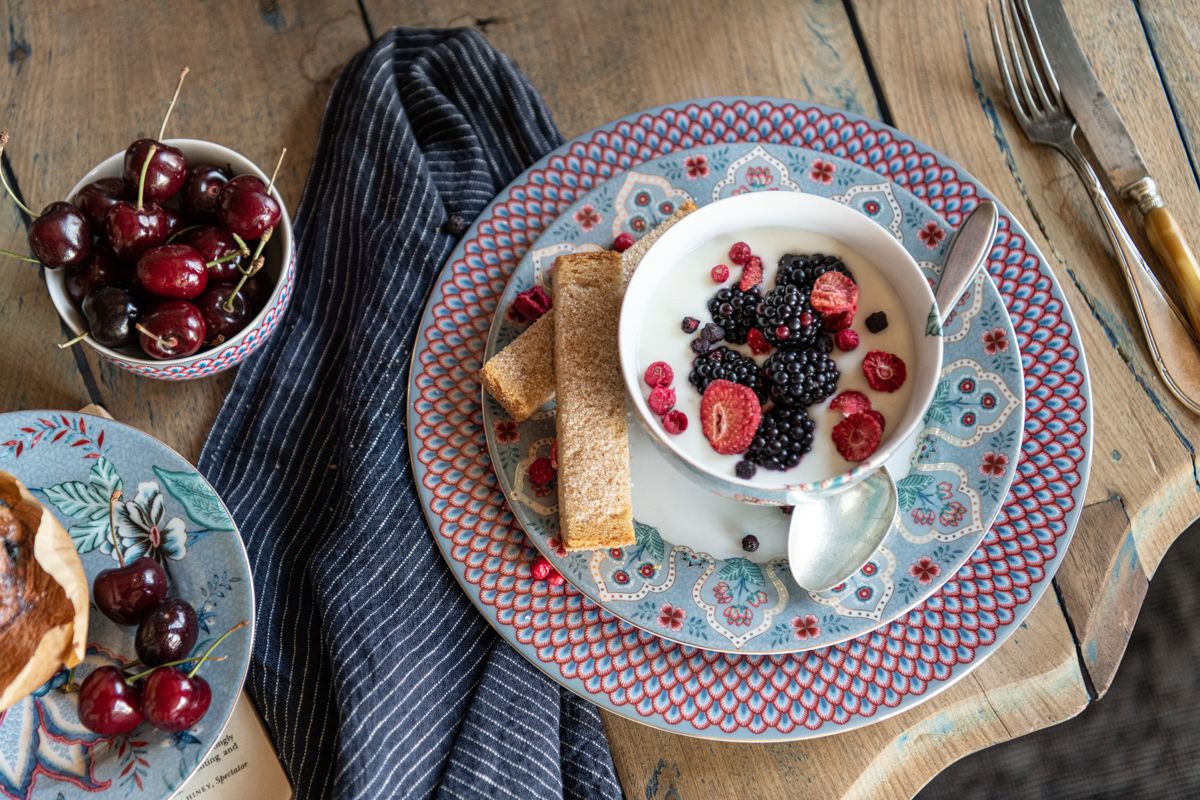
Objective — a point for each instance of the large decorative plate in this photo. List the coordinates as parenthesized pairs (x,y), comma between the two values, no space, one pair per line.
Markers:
(72,463)
(686,689)
(688,558)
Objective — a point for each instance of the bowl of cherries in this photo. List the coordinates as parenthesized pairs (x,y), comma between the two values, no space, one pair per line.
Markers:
(172,258)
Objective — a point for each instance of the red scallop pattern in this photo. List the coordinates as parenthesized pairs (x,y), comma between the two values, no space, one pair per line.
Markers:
(660,681)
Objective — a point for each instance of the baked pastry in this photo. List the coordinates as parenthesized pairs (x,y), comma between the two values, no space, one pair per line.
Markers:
(43,595)
(595,506)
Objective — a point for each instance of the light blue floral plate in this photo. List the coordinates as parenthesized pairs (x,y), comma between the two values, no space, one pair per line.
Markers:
(687,578)
(72,462)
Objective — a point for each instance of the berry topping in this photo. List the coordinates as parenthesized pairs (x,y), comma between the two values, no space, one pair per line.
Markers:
(850,402)
(723,364)
(720,273)
(785,435)
(781,318)
(846,340)
(541,472)
(710,334)
(531,304)
(749,541)
(857,436)
(877,322)
(838,322)
(758,343)
(802,271)
(833,293)
(623,242)
(675,422)
(885,372)
(555,578)
(661,399)
(739,253)
(541,568)
(659,374)
(879,417)
(745,470)
(783,332)
(801,377)
(735,310)
(690,324)
(752,274)
(729,416)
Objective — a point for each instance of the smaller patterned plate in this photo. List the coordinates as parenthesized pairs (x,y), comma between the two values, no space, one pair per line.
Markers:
(686,578)
(72,463)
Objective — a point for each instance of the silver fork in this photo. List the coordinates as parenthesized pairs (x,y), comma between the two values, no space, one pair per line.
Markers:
(1037,104)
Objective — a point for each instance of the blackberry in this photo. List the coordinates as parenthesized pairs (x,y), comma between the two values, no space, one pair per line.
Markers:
(735,311)
(785,310)
(784,436)
(801,377)
(877,322)
(802,271)
(824,343)
(721,363)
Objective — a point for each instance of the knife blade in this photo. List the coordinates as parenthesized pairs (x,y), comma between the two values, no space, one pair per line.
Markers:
(1095,114)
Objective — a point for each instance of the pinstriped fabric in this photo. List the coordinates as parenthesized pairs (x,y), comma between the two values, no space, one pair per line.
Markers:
(374,674)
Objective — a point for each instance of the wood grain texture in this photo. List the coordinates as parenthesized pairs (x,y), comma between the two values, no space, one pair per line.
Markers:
(81,82)
(1173,28)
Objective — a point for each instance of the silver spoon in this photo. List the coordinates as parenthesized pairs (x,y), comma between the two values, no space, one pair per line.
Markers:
(830,538)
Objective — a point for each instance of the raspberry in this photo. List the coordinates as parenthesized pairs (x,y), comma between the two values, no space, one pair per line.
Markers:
(729,416)
(531,304)
(661,399)
(752,274)
(850,402)
(857,436)
(839,321)
(758,343)
(541,568)
(623,242)
(739,252)
(877,322)
(879,418)
(675,422)
(885,372)
(690,324)
(555,578)
(719,273)
(833,293)
(659,374)
(846,340)
(541,472)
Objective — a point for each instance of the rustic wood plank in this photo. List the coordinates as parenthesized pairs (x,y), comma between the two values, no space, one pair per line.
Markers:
(260,75)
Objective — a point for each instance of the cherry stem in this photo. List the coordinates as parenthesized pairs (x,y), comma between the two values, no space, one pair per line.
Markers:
(241,243)
(163,128)
(181,232)
(213,646)
(256,263)
(262,242)
(278,164)
(223,259)
(4,180)
(142,176)
(73,342)
(18,256)
(199,659)
(112,525)
(165,342)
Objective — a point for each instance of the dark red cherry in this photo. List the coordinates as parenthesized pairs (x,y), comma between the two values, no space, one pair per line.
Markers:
(164,176)
(173,270)
(246,208)
(131,232)
(61,236)
(109,704)
(201,190)
(101,269)
(127,594)
(111,313)
(95,199)
(168,633)
(173,329)
(175,221)
(220,322)
(171,701)
(214,244)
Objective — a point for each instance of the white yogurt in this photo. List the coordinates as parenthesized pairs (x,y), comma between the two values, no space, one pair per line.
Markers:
(684,291)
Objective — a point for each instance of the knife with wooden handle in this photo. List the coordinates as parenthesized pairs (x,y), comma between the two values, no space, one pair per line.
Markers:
(1118,156)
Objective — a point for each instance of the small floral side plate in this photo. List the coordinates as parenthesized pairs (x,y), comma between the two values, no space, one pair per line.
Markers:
(72,463)
(686,578)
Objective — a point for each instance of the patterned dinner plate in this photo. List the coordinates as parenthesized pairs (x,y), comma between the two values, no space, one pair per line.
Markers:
(686,578)
(695,691)
(71,463)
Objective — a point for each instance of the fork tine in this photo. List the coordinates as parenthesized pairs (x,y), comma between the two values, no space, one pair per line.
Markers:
(1023,34)
(1043,61)
(1014,50)
(1014,100)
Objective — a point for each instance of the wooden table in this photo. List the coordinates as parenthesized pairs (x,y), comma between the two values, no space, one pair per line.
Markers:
(82,79)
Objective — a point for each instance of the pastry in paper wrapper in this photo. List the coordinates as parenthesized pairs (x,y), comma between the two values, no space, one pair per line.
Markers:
(43,595)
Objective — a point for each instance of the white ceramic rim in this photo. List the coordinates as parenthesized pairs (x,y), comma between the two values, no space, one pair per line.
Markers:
(711,220)
(113,167)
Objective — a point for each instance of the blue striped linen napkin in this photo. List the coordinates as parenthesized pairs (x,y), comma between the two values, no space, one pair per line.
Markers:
(373,672)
